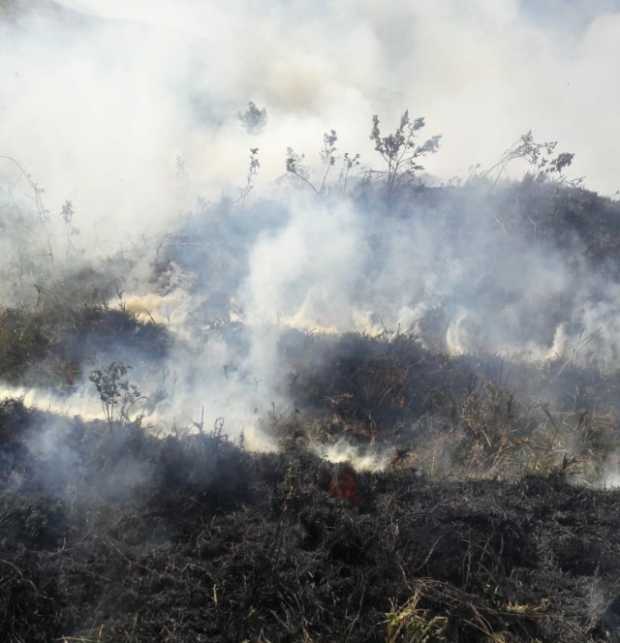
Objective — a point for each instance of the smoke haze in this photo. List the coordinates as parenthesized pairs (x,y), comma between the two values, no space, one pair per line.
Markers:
(101,98)
(131,113)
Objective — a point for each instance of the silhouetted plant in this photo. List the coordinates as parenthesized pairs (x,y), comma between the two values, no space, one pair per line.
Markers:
(543,163)
(253,119)
(349,162)
(253,168)
(118,396)
(401,150)
(295,165)
(67,213)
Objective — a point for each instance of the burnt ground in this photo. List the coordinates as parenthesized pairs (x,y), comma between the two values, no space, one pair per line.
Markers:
(109,534)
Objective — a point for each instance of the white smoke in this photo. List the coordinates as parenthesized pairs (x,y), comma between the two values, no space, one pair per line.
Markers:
(99,108)
(130,111)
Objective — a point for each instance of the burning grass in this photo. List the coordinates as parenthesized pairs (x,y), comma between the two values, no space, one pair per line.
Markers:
(51,345)
(449,513)
(456,417)
(415,496)
(206,542)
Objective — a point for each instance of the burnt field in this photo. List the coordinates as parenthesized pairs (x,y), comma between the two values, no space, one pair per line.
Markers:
(459,511)
(411,485)
(275,368)
(207,542)
(400,482)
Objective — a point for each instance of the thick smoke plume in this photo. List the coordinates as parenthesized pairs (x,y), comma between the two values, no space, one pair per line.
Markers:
(124,150)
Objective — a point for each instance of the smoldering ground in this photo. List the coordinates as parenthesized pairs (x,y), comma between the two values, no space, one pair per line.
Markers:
(201,330)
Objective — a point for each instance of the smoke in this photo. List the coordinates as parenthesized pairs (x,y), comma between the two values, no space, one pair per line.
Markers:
(131,113)
(360,459)
(100,100)
(82,403)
